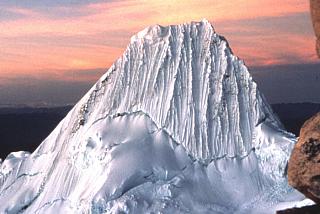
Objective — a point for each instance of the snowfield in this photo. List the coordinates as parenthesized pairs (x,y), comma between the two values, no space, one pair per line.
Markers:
(176,125)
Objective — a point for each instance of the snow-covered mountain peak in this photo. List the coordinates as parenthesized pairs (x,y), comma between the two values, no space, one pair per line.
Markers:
(157,32)
(189,82)
(175,125)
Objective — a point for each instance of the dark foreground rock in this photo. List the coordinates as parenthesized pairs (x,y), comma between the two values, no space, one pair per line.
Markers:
(314,209)
(304,163)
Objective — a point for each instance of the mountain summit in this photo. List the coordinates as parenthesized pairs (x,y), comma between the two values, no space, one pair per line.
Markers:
(176,125)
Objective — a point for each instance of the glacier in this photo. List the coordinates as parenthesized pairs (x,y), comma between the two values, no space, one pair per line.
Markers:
(176,125)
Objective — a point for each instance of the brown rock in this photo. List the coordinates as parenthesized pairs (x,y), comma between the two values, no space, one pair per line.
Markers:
(304,163)
(315,15)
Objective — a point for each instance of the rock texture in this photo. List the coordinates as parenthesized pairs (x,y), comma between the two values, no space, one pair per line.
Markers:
(304,163)
(315,14)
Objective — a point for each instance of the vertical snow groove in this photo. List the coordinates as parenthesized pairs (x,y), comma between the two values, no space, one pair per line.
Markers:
(187,78)
(183,80)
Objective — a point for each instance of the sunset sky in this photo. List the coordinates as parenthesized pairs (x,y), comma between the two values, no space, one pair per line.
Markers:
(63,46)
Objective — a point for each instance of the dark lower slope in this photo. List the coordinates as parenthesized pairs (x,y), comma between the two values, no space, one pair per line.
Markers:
(293,115)
(314,209)
(24,128)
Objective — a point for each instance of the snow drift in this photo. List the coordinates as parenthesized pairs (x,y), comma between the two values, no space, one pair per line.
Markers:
(176,125)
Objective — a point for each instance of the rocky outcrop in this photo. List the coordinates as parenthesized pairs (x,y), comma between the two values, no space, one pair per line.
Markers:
(315,15)
(304,163)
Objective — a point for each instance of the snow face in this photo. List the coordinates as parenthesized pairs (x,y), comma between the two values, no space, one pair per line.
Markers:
(176,125)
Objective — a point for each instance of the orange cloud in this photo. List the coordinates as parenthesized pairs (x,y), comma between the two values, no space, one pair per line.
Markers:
(44,44)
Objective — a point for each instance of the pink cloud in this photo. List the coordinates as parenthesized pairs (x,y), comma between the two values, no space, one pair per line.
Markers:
(42,44)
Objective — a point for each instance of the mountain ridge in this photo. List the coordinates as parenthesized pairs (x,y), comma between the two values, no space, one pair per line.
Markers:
(203,138)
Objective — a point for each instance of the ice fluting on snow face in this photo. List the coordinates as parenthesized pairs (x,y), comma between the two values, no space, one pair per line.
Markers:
(175,125)
(187,79)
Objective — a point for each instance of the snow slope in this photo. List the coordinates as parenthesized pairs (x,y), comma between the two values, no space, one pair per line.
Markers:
(176,125)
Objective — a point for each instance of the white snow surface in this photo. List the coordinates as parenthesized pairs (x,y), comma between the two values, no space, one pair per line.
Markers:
(176,125)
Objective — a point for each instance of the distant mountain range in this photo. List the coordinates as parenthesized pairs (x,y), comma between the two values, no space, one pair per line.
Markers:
(24,128)
(293,115)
